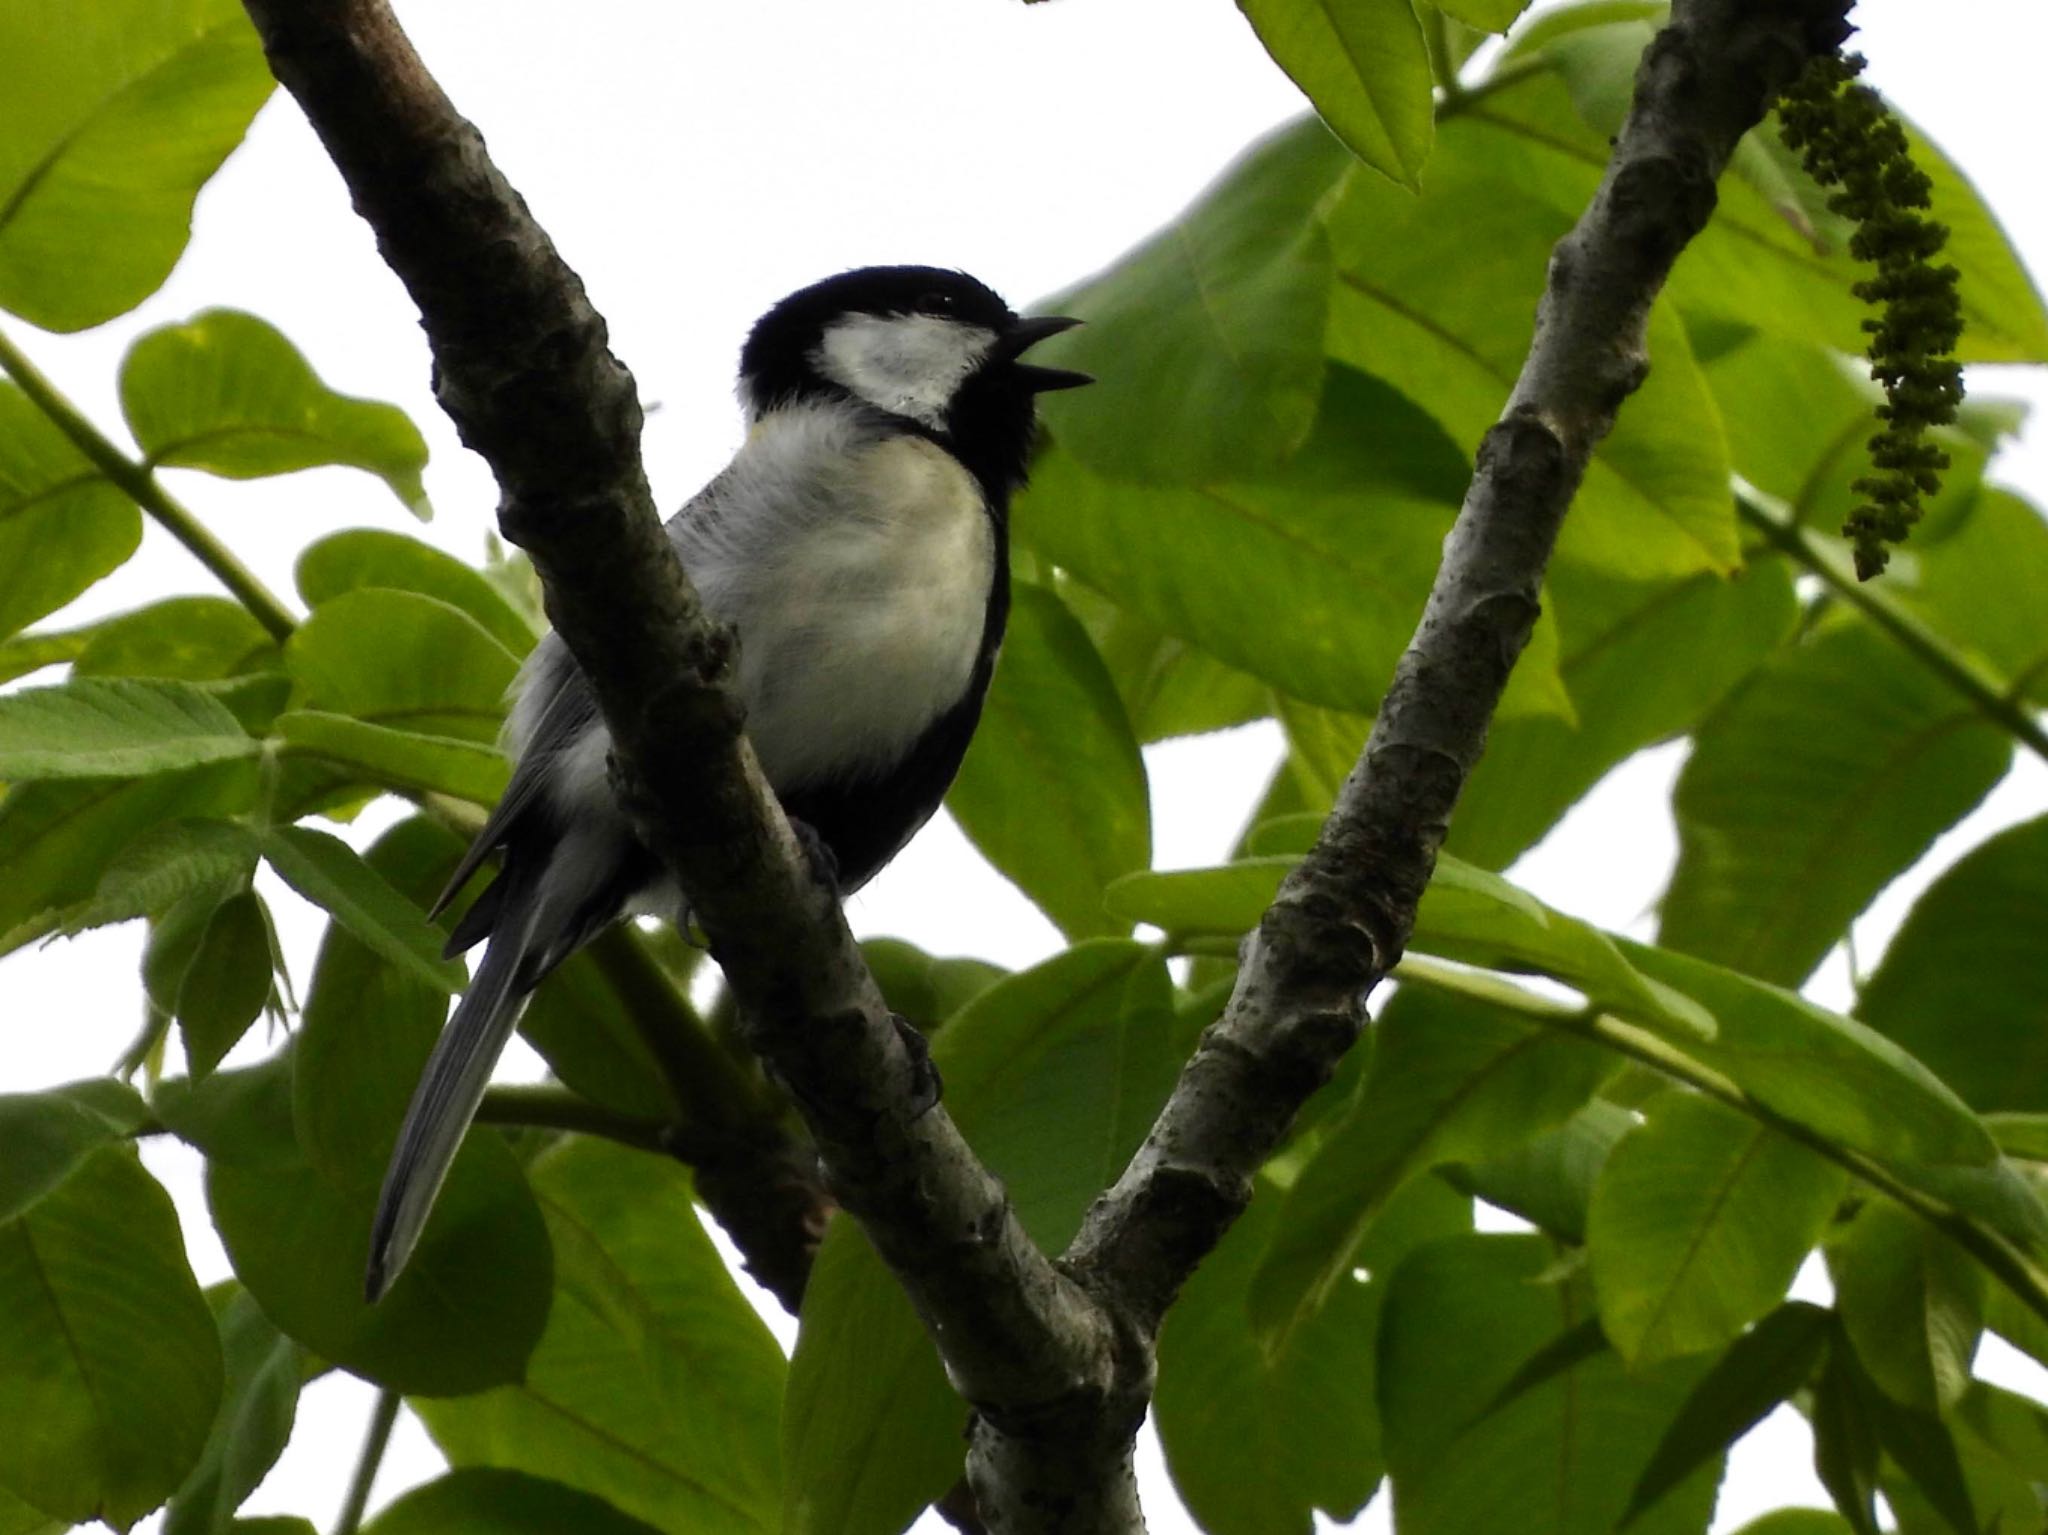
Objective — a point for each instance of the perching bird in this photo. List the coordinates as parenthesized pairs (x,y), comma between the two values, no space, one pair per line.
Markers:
(857,545)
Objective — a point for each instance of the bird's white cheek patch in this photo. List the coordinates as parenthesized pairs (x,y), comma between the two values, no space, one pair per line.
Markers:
(910,365)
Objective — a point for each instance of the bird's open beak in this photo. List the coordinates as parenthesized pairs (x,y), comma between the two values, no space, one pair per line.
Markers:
(1028,333)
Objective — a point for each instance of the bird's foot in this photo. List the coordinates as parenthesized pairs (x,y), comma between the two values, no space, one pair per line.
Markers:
(823,862)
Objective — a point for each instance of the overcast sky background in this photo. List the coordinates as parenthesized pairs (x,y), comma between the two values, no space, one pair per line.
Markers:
(697,163)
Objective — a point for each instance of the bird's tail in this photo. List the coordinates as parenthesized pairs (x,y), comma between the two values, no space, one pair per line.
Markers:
(453,1085)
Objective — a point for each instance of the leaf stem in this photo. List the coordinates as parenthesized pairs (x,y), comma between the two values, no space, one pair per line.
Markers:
(1453,103)
(140,485)
(382,1417)
(542,1107)
(2011,1267)
(1992,697)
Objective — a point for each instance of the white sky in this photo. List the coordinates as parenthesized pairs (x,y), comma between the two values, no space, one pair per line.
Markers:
(695,163)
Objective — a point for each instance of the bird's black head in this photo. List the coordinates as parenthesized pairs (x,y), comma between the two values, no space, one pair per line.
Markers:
(935,348)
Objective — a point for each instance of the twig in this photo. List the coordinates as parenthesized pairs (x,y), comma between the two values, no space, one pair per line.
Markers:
(382,1417)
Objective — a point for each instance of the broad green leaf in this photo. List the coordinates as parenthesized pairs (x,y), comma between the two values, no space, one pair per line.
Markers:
(864,1472)
(401,759)
(1962,985)
(482,1501)
(1759,1370)
(1450,1080)
(1206,341)
(1054,1075)
(165,864)
(467,1311)
(257,1408)
(1549,1179)
(109,1354)
(1700,1221)
(1169,687)
(226,392)
(1231,1412)
(360,557)
(1463,1318)
(1798,1521)
(655,1386)
(227,982)
(18,1518)
(927,989)
(1810,789)
(1345,546)
(1643,662)
(1053,790)
(1466,914)
(1854,1421)
(115,120)
(1822,1070)
(332,875)
(115,728)
(1486,15)
(27,653)
(62,527)
(1363,65)
(199,639)
(57,838)
(1911,1301)
(403,660)
(585,1019)
(1451,336)
(1979,588)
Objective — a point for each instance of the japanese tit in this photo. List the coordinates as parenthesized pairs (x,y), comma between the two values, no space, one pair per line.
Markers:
(857,545)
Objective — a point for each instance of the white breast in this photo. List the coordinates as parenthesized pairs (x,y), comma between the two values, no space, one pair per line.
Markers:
(857,570)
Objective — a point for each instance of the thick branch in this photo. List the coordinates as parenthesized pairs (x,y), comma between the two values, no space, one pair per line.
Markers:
(523,367)
(1343,918)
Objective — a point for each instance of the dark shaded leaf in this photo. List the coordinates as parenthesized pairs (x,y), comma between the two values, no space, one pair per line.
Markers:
(481,1501)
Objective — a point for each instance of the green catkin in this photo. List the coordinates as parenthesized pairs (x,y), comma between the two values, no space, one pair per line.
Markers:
(1849,141)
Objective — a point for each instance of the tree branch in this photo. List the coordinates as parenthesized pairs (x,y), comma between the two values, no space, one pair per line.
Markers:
(1343,918)
(522,366)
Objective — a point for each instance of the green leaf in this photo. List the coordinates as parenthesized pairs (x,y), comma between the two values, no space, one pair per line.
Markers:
(257,1408)
(227,982)
(56,838)
(1344,542)
(28,653)
(1230,1412)
(1226,307)
(867,1471)
(655,1387)
(332,875)
(117,118)
(1486,15)
(199,639)
(1643,662)
(1450,1080)
(1463,1318)
(1761,1368)
(226,392)
(165,864)
(1549,1179)
(925,988)
(482,1501)
(1699,1223)
(401,759)
(1809,790)
(115,728)
(1451,335)
(1053,790)
(1798,1521)
(465,1314)
(1960,986)
(403,660)
(18,1518)
(1978,587)
(1911,1301)
(1054,1075)
(1169,687)
(1363,65)
(109,1355)
(368,557)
